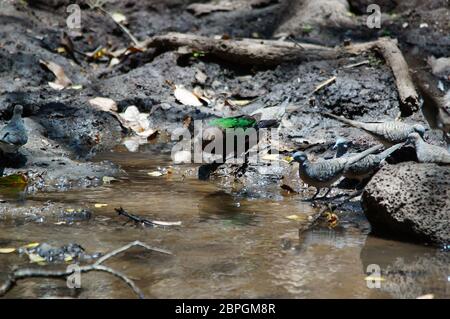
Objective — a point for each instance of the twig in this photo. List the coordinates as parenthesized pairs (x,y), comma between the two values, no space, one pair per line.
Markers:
(144,221)
(124,28)
(22,273)
(324,84)
(134,218)
(354,65)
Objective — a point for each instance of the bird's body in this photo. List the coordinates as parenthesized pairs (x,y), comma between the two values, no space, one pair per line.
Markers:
(367,166)
(14,134)
(388,133)
(233,136)
(243,122)
(324,173)
(427,153)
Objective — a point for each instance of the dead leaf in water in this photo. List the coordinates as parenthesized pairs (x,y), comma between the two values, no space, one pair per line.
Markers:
(108,179)
(7,250)
(427,296)
(288,189)
(35,258)
(155,174)
(100,205)
(297,218)
(62,81)
(332,219)
(162,223)
(31,245)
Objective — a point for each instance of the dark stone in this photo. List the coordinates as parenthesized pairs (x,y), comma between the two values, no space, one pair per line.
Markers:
(410,201)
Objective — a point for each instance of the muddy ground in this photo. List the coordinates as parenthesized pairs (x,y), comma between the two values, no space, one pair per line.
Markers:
(66,132)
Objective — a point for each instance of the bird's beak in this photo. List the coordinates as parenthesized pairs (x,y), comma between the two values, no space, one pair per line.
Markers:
(288,159)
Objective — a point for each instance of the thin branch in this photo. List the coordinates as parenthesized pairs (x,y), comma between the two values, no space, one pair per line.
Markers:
(22,273)
(124,28)
(128,246)
(119,275)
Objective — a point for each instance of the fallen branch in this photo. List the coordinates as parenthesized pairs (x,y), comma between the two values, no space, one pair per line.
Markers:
(243,51)
(23,273)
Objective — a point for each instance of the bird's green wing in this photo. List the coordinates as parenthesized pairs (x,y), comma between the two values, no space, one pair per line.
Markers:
(233,122)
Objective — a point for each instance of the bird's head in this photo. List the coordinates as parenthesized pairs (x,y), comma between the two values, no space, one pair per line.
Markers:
(412,138)
(18,109)
(419,129)
(342,142)
(299,157)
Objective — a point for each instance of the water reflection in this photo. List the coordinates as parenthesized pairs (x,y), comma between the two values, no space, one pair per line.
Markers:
(221,205)
(408,270)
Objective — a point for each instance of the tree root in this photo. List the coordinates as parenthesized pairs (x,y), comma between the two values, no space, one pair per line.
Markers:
(23,273)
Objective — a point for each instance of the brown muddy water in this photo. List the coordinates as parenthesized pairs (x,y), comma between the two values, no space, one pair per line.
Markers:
(227,246)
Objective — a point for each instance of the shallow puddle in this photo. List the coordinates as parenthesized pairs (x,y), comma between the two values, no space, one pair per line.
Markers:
(227,246)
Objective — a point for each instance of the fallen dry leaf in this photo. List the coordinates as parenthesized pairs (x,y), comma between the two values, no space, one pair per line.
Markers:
(62,81)
(137,121)
(7,250)
(239,103)
(119,17)
(104,104)
(186,97)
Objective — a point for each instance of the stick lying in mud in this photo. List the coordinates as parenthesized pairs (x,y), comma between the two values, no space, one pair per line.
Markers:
(269,53)
(23,273)
(243,51)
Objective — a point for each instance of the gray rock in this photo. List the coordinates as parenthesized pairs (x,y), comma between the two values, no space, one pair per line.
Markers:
(410,201)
